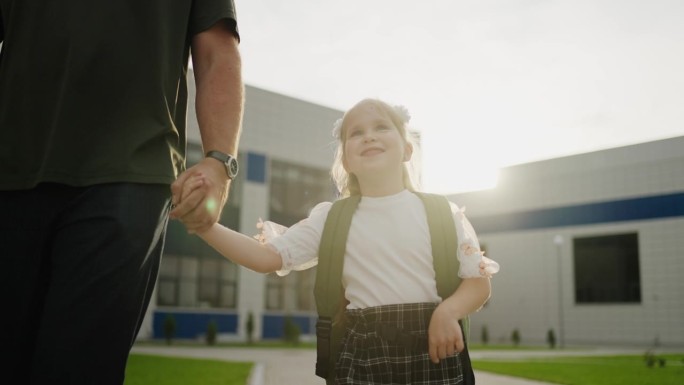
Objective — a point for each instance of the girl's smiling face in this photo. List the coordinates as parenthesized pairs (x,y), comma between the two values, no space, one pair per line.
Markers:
(373,146)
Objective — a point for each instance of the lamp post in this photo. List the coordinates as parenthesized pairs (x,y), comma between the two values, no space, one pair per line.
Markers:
(558,241)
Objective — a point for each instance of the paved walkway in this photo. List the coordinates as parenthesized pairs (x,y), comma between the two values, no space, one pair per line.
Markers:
(296,366)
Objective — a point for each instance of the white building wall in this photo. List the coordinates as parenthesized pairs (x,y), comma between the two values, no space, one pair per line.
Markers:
(526,291)
(251,285)
(280,126)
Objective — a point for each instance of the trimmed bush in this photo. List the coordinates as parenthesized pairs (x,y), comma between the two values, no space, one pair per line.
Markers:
(169,328)
(515,337)
(551,338)
(249,326)
(212,331)
(292,331)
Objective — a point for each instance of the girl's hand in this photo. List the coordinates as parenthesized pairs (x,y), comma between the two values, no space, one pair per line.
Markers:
(198,196)
(445,337)
(191,184)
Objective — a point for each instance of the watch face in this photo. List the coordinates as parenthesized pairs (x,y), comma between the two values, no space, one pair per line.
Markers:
(233,167)
(228,161)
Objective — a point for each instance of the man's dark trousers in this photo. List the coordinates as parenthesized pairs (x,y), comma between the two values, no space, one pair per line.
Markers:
(78,267)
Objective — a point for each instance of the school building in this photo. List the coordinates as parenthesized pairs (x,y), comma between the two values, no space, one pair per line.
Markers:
(590,245)
(285,154)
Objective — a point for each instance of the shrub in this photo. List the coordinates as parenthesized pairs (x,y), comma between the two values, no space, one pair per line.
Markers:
(292,331)
(169,328)
(651,359)
(515,337)
(250,328)
(212,330)
(551,338)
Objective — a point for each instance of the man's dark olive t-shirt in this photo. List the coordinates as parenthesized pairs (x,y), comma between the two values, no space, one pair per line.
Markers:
(94,91)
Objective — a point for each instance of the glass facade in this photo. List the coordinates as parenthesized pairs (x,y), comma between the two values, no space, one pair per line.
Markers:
(295,190)
(192,274)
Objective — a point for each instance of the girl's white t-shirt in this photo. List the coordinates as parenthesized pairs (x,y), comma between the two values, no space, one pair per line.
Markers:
(388,257)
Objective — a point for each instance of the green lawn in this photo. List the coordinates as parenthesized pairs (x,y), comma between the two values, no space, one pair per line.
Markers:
(255,345)
(146,370)
(617,370)
(608,370)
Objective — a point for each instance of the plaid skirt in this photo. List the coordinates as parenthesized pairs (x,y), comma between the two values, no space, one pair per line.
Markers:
(389,345)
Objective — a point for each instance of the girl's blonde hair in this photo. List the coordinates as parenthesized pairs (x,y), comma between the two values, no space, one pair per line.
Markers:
(347,184)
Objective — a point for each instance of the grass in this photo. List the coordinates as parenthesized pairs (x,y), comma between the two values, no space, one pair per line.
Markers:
(608,370)
(260,344)
(474,347)
(594,370)
(147,369)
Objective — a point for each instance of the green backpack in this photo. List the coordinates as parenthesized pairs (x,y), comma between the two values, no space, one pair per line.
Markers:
(328,289)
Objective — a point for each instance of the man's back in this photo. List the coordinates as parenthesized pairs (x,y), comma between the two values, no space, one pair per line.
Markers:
(100,81)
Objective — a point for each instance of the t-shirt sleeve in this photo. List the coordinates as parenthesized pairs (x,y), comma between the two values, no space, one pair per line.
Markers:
(298,244)
(469,254)
(205,13)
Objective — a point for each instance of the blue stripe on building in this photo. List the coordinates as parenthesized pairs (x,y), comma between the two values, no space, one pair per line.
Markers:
(643,208)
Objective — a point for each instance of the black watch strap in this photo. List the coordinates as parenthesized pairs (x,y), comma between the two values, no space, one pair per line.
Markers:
(229,161)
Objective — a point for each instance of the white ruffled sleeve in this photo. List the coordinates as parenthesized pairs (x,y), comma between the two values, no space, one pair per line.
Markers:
(298,244)
(473,263)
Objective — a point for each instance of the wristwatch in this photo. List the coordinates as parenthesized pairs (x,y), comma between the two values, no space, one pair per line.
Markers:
(228,161)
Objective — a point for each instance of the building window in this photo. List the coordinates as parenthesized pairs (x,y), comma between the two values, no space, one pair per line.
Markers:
(304,289)
(607,269)
(275,291)
(192,274)
(295,190)
(294,291)
(217,283)
(208,282)
(167,285)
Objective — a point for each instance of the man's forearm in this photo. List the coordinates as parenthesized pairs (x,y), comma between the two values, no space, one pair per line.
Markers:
(220,90)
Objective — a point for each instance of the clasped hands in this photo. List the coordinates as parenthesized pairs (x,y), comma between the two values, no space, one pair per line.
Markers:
(199,194)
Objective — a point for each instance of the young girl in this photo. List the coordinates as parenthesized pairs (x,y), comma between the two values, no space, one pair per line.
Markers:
(388,275)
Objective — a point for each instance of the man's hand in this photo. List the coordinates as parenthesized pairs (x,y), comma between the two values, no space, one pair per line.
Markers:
(199,194)
(444,334)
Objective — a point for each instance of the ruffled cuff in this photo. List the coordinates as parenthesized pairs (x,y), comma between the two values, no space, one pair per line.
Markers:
(477,265)
(268,231)
(488,267)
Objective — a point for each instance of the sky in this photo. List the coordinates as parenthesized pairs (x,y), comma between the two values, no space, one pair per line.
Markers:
(488,83)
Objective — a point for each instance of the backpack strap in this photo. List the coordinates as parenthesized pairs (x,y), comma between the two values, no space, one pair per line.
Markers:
(444,240)
(328,289)
(328,286)
(444,245)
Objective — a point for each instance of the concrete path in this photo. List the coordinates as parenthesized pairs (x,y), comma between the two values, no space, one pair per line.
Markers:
(296,366)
